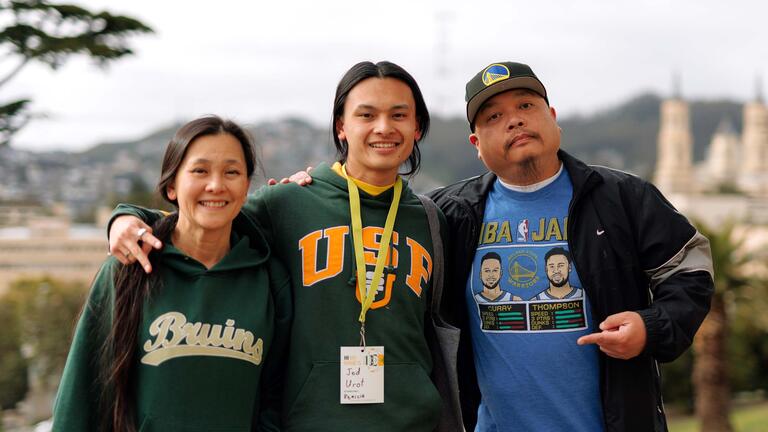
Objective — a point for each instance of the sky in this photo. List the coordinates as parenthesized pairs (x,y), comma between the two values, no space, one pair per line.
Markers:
(264,60)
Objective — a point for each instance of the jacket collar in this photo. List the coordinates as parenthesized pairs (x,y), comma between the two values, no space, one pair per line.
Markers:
(582,176)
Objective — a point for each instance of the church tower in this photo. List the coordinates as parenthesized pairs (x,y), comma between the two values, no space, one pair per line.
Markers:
(754,172)
(674,156)
(724,157)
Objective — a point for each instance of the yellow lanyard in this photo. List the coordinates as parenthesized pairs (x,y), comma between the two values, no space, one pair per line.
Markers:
(368,293)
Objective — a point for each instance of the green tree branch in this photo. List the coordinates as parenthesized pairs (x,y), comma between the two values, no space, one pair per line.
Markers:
(51,33)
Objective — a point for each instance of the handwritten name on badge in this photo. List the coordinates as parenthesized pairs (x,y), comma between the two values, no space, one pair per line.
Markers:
(362,375)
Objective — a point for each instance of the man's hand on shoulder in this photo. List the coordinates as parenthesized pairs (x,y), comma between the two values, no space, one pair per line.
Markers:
(131,240)
(622,336)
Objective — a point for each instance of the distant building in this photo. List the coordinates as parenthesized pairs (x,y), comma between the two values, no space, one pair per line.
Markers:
(754,175)
(735,163)
(723,159)
(731,183)
(17,213)
(50,246)
(675,147)
(47,246)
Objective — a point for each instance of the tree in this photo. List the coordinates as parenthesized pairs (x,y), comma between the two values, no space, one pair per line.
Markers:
(47,311)
(734,287)
(51,33)
(13,366)
(43,316)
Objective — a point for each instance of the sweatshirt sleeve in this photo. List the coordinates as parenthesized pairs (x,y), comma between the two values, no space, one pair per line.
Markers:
(273,373)
(149,216)
(257,208)
(80,391)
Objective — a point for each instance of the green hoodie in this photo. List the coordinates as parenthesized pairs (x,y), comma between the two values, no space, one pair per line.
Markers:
(206,339)
(307,225)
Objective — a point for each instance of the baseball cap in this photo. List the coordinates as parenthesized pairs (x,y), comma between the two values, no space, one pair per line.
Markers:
(497,78)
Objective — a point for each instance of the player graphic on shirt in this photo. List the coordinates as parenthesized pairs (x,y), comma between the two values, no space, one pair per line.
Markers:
(490,275)
(522,231)
(557,263)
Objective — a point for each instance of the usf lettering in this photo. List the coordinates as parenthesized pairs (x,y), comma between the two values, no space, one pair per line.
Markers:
(317,266)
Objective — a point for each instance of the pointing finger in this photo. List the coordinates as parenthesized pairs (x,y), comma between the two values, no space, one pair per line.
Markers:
(594,338)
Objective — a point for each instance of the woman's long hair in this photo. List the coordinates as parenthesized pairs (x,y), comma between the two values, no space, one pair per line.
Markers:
(133,286)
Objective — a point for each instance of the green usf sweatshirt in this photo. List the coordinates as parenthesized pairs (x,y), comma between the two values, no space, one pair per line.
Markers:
(309,230)
(209,346)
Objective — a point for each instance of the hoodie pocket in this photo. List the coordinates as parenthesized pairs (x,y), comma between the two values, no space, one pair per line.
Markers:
(411,402)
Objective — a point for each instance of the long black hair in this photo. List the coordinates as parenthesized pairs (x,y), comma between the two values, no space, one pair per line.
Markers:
(133,286)
(382,69)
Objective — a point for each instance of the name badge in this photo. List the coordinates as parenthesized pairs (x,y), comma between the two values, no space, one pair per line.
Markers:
(362,375)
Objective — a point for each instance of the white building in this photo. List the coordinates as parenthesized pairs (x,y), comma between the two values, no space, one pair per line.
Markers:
(731,184)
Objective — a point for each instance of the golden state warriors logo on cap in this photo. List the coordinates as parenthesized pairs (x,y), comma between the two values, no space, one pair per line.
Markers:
(495,73)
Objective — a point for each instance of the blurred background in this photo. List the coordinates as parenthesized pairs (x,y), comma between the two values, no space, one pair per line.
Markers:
(91,92)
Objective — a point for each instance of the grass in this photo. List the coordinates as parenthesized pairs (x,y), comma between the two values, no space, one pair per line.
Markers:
(753,418)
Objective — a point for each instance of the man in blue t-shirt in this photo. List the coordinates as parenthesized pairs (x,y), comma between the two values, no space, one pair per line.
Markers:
(517,344)
(604,277)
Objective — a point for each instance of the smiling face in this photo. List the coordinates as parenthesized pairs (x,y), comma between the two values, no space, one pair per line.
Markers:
(558,269)
(380,126)
(517,137)
(211,184)
(490,273)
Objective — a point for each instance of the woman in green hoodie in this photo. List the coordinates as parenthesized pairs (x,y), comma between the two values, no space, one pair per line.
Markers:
(193,345)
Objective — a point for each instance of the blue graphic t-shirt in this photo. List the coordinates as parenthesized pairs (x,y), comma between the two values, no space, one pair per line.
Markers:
(527,308)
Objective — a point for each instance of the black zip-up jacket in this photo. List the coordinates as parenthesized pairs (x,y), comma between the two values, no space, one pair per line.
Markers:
(633,252)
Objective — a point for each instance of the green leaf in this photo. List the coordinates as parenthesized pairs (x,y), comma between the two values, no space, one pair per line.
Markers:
(13,116)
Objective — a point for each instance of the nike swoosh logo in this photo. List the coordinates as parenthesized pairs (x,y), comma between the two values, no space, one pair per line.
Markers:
(600,232)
